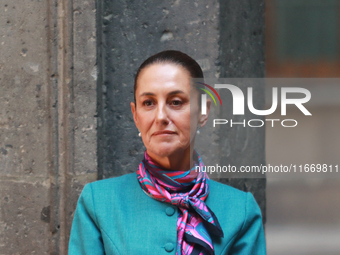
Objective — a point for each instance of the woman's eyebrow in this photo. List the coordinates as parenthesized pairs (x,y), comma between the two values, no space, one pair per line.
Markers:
(175,92)
(170,93)
(147,94)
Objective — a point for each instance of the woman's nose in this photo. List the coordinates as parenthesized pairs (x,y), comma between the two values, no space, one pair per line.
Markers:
(161,114)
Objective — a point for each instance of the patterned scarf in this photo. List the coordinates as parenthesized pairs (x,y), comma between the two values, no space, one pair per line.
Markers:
(188,191)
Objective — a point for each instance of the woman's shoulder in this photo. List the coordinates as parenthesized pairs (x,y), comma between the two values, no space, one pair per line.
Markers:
(223,197)
(118,180)
(113,184)
(225,190)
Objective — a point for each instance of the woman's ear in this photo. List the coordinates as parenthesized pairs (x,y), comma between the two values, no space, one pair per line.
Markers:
(134,113)
(204,118)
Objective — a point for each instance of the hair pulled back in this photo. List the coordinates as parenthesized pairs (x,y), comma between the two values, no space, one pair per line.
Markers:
(171,57)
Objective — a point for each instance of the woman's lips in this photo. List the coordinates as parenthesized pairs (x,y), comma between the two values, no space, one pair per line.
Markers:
(164,132)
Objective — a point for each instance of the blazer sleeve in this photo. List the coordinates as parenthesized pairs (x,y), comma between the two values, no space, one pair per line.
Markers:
(250,240)
(85,236)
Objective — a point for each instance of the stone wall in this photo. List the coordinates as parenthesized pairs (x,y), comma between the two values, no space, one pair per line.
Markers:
(24,128)
(47,120)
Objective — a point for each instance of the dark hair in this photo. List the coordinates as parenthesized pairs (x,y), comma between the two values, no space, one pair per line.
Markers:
(172,57)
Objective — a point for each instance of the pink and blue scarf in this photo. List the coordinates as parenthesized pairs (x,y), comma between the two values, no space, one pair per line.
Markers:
(187,190)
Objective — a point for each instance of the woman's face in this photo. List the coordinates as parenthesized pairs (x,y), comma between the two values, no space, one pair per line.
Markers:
(164,113)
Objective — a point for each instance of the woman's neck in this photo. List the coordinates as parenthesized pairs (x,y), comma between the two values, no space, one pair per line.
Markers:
(181,160)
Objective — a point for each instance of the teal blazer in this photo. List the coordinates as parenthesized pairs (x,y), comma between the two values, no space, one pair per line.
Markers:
(115,216)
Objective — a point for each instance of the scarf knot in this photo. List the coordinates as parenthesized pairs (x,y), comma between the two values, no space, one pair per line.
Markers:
(182,202)
(187,190)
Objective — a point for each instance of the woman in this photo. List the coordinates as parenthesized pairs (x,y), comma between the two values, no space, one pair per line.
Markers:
(166,207)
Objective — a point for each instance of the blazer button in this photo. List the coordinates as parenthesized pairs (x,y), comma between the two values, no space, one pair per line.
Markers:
(169,247)
(169,211)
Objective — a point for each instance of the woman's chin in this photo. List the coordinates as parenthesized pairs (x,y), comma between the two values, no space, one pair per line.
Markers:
(166,150)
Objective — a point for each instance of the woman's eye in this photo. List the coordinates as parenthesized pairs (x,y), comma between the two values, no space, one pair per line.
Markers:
(176,102)
(147,103)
